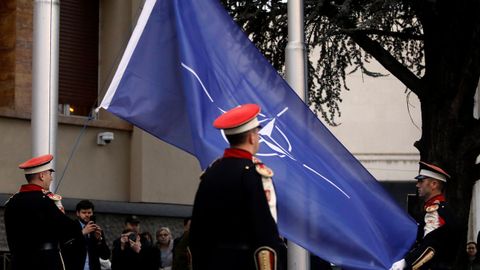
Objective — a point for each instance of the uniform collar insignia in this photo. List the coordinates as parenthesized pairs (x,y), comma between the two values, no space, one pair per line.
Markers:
(30,187)
(237,153)
(435,200)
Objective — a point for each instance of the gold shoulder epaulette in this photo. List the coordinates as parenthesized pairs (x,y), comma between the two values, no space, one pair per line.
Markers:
(262,169)
(52,196)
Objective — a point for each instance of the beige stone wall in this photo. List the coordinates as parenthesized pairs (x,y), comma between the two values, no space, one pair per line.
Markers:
(15,145)
(161,172)
(94,172)
(134,167)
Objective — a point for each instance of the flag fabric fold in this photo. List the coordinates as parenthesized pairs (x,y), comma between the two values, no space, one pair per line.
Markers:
(187,62)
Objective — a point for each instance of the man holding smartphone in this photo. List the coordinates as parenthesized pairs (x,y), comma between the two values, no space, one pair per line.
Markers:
(86,253)
(127,249)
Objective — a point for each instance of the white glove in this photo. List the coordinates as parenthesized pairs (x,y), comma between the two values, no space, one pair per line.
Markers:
(400,265)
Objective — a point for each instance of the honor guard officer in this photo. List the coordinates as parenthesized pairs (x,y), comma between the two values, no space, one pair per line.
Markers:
(234,213)
(436,244)
(35,223)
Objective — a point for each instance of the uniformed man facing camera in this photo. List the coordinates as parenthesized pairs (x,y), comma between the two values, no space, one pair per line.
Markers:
(35,222)
(436,244)
(234,213)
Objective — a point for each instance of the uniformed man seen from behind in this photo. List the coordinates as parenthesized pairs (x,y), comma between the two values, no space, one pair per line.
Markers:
(437,238)
(35,223)
(234,213)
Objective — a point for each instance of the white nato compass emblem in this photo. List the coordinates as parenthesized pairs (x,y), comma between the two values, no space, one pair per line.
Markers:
(274,138)
(270,135)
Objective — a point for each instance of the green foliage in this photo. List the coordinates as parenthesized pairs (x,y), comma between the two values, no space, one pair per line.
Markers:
(332,52)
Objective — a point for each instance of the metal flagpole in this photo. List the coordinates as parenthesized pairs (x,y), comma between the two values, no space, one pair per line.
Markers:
(296,72)
(46,21)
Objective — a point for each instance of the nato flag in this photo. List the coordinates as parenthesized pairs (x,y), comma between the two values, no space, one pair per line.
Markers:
(187,62)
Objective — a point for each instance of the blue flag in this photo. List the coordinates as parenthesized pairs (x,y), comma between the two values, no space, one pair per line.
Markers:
(187,62)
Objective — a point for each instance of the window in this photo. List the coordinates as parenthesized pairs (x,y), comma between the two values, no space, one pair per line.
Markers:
(78,63)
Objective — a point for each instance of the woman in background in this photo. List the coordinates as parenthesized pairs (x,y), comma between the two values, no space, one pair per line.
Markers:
(165,247)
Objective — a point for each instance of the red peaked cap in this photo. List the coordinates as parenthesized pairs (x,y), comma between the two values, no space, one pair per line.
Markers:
(37,164)
(238,119)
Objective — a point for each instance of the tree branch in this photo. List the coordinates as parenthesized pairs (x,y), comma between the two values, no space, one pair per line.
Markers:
(399,35)
(389,62)
(373,48)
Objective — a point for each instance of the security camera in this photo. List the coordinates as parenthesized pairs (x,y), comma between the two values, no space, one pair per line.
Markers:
(104,138)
